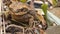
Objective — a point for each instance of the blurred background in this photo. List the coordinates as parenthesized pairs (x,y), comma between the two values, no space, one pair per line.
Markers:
(52,11)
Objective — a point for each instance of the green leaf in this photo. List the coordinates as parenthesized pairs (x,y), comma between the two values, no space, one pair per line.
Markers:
(44,8)
(23,1)
(54,2)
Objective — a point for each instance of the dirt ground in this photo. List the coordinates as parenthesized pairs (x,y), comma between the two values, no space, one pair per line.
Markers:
(53,30)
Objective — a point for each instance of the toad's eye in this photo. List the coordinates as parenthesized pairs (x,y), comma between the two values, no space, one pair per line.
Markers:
(24,9)
(18,10)
(21,10)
